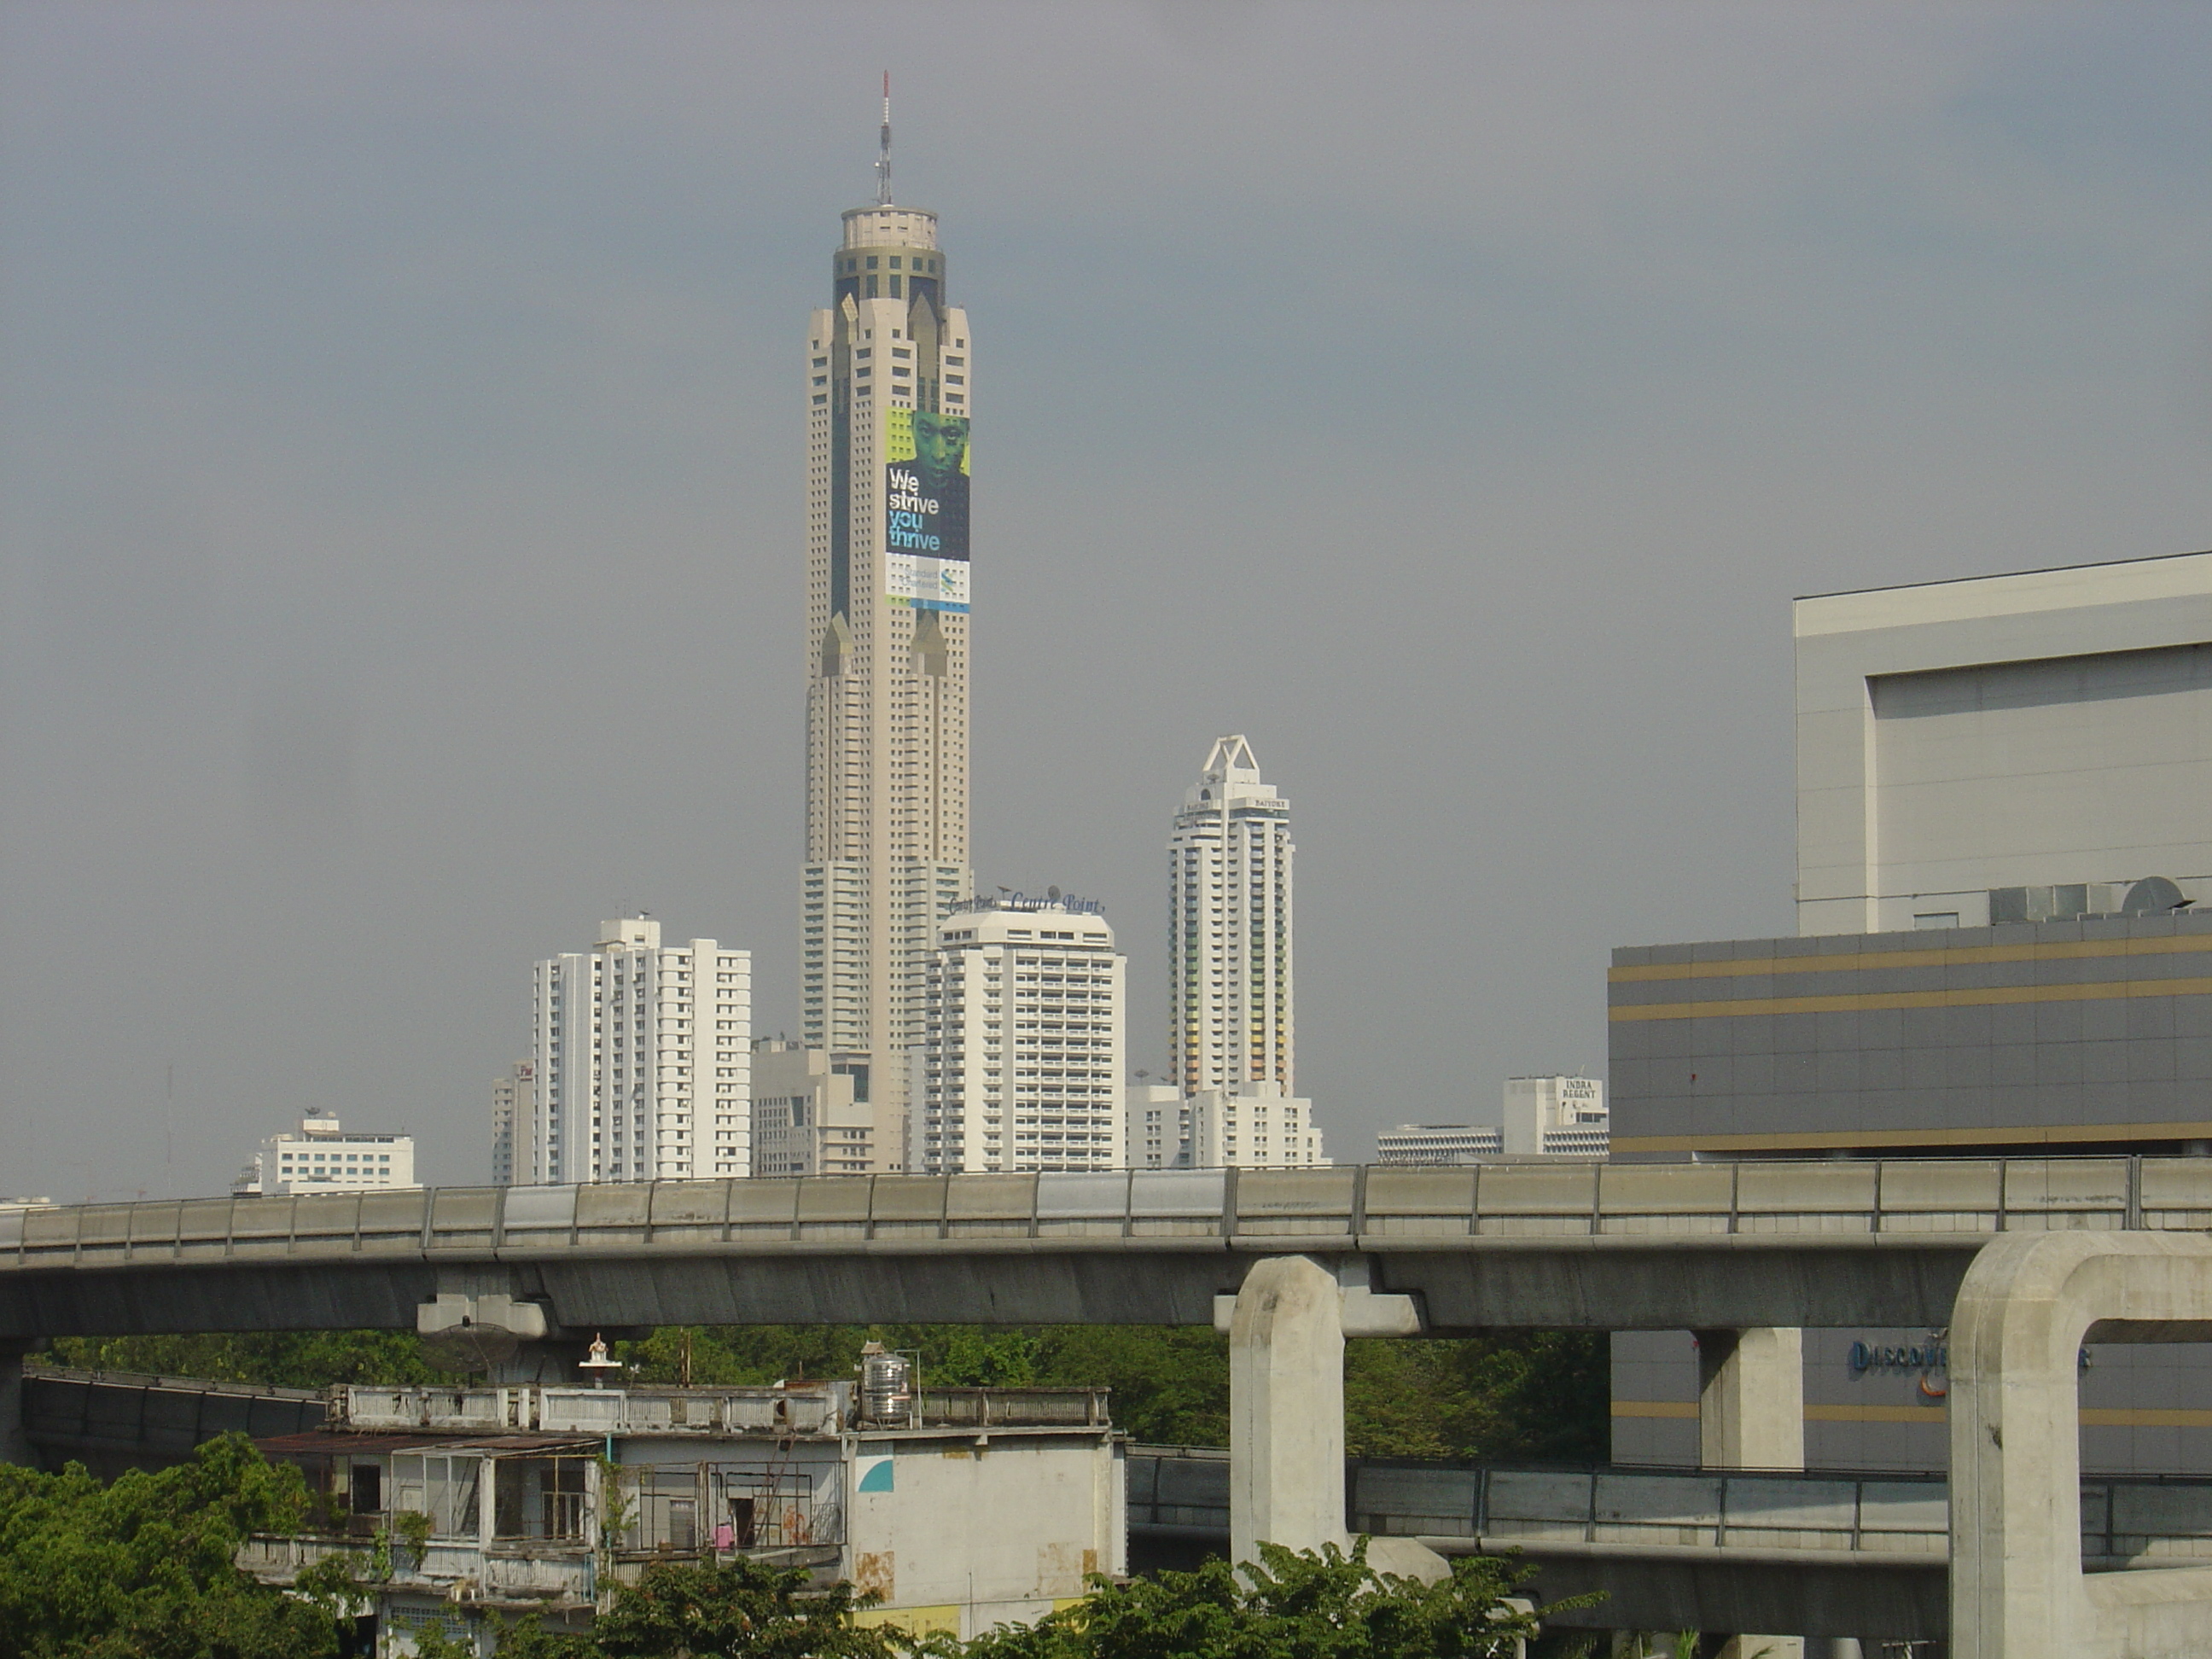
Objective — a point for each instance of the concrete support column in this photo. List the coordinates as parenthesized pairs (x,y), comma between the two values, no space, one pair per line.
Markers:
(1286,1333)
(1286,1409)
(15,1443)
(2028,1302)
(1751,1399)
(1751,1415)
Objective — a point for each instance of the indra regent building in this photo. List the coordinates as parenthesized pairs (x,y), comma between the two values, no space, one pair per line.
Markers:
(889,382)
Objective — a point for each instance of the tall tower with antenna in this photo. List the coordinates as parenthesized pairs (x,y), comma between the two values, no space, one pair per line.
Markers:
(889,387)
(883,148)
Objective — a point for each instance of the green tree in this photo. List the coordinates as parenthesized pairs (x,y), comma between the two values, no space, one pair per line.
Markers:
(1293,1606)
(678,1610)
(1171,1383)
(144,1569)
(745,1607)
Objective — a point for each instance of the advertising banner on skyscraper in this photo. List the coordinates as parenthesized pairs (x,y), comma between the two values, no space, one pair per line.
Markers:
(925,509)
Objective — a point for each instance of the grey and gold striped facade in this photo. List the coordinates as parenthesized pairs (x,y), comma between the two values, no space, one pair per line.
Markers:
(2094,1033)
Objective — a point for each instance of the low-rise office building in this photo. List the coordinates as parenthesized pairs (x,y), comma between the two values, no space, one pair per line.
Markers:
(1439,1142)
(320,1157)
(1876,1399)
(816,1113)
(2093,1035)
(1253,1125)
(1156,1126)
(961,1508)
(1555,1117)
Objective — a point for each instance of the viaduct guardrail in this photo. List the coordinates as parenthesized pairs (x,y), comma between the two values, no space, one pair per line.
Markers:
(1597,1246)
(1864,1555)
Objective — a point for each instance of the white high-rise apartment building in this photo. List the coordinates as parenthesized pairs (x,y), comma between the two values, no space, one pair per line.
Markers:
(643,1055)
(890,380)
(1231,1011)
(320,1157)
(511,1100)
(1021,1067)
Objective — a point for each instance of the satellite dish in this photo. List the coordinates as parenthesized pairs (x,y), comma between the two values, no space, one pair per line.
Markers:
(1053,893)
(2153,896)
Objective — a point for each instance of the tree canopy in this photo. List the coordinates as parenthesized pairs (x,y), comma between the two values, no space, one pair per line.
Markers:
(1329,1605)
(142,1568)
(1293,1606)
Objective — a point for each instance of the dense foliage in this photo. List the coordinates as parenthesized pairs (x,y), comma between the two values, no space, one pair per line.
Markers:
(1330,1606)
(142,1568)
(678,1610)
(1533,1395)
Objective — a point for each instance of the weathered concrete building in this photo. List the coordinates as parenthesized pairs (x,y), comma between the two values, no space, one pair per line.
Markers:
(963,1508)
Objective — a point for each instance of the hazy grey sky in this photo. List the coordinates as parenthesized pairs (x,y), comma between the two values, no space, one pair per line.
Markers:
(400,486)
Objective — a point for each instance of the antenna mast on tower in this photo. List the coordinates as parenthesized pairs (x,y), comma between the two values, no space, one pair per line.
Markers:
(883,161)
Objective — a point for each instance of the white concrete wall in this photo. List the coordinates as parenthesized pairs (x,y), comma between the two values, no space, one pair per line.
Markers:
(2038,728)
(987,1530)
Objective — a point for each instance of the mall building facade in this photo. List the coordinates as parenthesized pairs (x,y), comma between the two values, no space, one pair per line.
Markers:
(2003,794)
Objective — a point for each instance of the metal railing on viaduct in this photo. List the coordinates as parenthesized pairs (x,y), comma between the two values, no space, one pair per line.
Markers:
(1832,1553)
(1592,1246)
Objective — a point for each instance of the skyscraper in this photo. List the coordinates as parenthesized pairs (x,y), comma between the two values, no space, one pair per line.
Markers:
(1231,1011)
(641,1055)
(888,381)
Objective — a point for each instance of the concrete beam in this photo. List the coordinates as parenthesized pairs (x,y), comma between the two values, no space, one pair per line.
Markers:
(2018,1590)
(1653,1283)
(1647,1282)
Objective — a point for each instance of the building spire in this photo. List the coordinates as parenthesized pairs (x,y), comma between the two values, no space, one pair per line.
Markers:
(884,160)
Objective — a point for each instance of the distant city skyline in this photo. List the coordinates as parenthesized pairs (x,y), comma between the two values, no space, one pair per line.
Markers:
(404,506)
